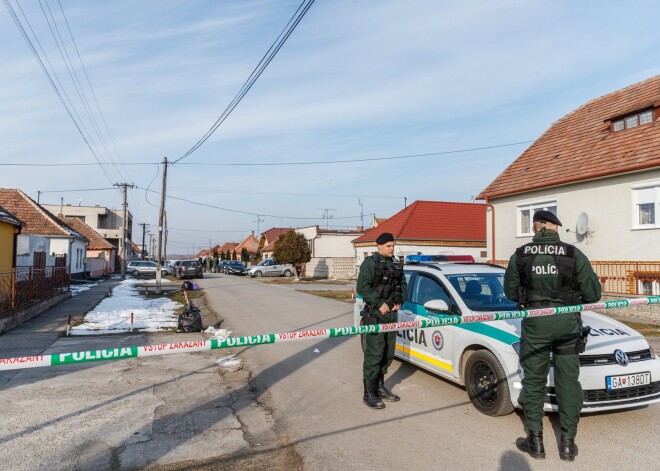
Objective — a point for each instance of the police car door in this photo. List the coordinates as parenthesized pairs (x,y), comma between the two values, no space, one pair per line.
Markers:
(429,348)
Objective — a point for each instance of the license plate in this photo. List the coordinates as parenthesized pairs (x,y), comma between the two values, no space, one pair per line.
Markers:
(627,381)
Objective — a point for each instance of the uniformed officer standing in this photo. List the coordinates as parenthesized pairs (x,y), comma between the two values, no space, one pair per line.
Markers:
(383,287)
(545,273)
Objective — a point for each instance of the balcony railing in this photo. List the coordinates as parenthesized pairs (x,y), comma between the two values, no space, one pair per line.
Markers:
(25,285)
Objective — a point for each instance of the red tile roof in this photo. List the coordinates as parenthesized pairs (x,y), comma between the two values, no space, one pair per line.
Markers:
(434,221)
(36,220)
(96,242)
(250,243)
(274,233)
(580,146)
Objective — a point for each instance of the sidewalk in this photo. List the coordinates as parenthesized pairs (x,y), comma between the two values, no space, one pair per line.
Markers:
(162,412)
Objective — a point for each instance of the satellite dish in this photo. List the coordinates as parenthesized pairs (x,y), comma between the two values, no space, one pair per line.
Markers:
(582,224)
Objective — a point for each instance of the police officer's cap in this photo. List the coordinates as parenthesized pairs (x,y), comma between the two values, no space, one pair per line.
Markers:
(546,216)
(384,238)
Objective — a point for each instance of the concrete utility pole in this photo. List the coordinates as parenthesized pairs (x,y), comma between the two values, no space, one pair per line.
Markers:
(124,232)
(151,246)
(361,214)
(160,227)
(144,229)
(165,238)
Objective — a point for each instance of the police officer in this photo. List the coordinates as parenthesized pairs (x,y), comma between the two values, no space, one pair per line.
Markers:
(546,273)
(383,287)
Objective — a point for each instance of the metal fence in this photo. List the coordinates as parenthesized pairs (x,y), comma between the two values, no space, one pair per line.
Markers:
(25,285)
(619,277)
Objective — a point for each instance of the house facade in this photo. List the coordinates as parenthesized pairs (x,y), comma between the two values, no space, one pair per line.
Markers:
(598,169)
(332,252)
(108,223)
(431,228)
(68,247)
(101,254)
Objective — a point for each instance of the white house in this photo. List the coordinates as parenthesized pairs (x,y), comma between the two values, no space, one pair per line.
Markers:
(333,254)
(598,169)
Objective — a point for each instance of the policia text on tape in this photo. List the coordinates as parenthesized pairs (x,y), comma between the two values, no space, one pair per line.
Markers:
(122,353)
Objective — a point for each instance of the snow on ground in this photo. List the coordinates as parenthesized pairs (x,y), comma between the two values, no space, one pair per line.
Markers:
(153,282)
(230,363)
(75,289)
(113,314)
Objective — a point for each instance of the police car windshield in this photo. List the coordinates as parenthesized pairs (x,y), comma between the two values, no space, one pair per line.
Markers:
(482,291)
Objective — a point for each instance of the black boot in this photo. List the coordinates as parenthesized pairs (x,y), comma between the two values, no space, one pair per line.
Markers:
(568,450)
(532,444)
(383,392)
(370,397)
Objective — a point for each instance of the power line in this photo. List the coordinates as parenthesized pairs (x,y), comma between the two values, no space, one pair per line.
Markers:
(256,73)
(247,212)
(270,164)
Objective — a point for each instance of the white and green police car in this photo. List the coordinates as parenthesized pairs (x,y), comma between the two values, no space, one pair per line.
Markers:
(618,369)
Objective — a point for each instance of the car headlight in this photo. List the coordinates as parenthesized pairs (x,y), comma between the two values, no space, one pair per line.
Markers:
(516,348)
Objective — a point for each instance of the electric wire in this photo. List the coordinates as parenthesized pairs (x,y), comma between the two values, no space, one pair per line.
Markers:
(256,73)
(34,51)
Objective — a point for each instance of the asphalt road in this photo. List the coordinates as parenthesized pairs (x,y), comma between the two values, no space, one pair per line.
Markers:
(314,390)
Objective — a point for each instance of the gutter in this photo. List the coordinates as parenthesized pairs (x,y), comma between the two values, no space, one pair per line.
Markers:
(492,226)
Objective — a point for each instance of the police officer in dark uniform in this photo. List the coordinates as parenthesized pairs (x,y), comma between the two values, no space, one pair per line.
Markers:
(547,273)
(383,287)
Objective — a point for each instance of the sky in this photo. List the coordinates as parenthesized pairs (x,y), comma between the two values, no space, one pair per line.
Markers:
(355,80)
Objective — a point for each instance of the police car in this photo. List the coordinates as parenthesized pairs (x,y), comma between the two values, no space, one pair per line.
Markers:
(619,368)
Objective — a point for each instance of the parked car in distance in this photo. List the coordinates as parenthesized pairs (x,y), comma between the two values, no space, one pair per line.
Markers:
(269,267)
(234,267)
(189,269)
(145,268)
(222,266)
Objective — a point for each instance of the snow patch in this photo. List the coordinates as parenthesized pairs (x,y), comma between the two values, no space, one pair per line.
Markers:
(230,363)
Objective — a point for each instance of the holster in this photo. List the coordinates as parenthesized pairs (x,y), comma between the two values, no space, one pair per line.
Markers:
(369,317)
(581,344)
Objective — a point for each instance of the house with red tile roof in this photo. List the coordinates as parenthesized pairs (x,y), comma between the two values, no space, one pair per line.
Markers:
(250,244)
(268,238)
(44,239)
(598,169)
(432,228)
(332,251)
(101,254)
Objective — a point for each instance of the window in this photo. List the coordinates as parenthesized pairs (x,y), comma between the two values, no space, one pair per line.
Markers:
(526,214)
(633,120)
(426,289)
(645,207)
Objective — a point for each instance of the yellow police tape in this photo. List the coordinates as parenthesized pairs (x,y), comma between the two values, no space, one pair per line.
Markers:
(121,353)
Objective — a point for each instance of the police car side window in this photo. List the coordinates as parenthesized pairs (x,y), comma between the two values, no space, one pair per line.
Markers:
(426,289)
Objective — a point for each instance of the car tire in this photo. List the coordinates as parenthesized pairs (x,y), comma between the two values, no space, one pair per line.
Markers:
(486,384)
(135,273)
(258,274)
(287,273)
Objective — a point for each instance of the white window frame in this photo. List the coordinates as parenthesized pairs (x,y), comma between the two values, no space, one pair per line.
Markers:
(655,185)
(532,207)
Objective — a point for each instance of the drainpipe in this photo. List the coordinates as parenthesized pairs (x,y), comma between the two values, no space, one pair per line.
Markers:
(492,226)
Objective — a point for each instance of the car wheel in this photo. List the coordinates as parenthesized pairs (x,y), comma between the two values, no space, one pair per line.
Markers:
(486,384)
(135,273)
(287,273)
(257,274)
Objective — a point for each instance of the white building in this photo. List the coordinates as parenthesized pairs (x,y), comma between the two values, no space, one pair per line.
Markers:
(333,254)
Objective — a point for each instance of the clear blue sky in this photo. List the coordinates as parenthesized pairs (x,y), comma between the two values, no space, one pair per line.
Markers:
(356,80)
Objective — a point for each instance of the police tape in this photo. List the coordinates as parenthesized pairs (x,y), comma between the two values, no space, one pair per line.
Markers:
(122,353)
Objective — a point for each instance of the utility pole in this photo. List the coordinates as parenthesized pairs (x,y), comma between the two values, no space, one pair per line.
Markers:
(151,246)
(160,226)
(124,232)
(361,214)
(144,229)
(165,237)
(258,221)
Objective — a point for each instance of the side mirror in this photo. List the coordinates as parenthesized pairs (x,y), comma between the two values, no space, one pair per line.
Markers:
(436,305)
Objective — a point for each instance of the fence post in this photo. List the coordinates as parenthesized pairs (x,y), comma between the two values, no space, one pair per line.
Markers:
(636,274)
(13,288)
